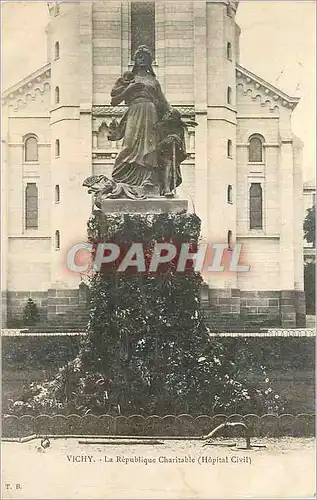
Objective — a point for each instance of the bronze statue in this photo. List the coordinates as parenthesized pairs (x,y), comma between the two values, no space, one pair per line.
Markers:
(137,162)
(152,132)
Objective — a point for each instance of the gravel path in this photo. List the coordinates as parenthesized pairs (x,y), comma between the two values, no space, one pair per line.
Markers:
(175,469)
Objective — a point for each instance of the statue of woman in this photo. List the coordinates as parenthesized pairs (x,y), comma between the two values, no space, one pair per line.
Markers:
(138,161)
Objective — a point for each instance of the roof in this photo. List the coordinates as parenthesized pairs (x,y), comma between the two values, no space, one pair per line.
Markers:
(260,84)
(27,82)
(269,89)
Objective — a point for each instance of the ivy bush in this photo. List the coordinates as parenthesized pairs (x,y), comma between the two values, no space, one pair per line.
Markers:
(147,349)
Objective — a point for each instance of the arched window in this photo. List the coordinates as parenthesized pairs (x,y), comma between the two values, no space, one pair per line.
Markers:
(57,148)
(57,194)
(31,206)
(31,149)
(143,26)
(229,239)
(256,149)
(57,240)
(255,206)
(56,50)
(56,95)
(229,95)
(102,138)
(229,148)
(229,51)
(229,194)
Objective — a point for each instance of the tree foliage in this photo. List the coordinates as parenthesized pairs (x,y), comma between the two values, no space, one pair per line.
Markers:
(310,287)
(310,225)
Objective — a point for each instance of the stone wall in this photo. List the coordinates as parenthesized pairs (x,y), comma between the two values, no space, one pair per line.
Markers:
(223,301)
(261,303)
(220,306)
(292,307)
(300,308)
(66,305)
(4,307)
(70,303)
(267,307)
(16,302)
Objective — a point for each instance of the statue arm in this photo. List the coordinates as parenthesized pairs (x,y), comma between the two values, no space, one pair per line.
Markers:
(122,93)
(117,90)
(118,94)
(115,100)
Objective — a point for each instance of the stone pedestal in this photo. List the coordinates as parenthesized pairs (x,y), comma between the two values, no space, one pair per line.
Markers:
(146,206)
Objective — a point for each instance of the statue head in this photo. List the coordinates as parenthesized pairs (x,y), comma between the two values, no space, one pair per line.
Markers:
(143,59)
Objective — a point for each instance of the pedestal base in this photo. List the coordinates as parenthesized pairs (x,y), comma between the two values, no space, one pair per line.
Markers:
(146,206)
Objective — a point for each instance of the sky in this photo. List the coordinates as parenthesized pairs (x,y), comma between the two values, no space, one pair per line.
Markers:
(278,43)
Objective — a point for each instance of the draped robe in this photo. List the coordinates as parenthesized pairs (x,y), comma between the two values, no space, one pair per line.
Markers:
(137,162)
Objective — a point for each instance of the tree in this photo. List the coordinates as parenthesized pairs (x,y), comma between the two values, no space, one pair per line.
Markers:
(310,226)
(30,313)
(310,267)
(310,286)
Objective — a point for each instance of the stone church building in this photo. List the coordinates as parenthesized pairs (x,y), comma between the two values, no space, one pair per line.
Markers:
(242,176)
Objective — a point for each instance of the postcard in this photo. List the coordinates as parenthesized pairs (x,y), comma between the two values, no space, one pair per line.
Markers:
(158,249)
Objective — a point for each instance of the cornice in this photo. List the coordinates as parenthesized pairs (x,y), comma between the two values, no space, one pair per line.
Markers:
(107,110)
(54,7)
(112,111)
(101,155)
(309,185)
(231,4)
(249,80)
(28,85)
(268,93)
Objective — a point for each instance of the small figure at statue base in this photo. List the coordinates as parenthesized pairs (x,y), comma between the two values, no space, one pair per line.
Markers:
(172,150)
(102,187)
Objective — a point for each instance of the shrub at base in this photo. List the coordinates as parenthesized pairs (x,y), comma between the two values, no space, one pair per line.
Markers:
(147,349)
